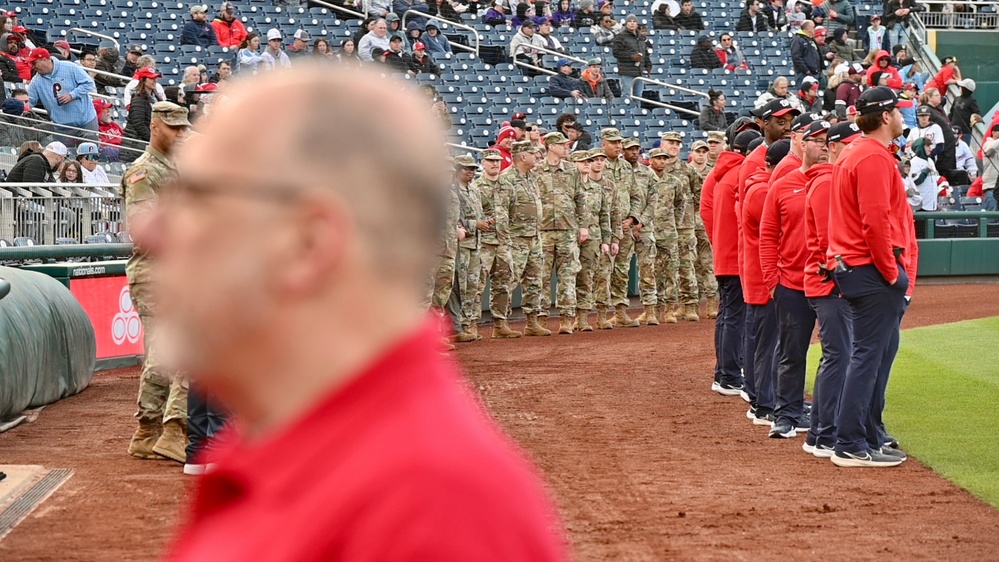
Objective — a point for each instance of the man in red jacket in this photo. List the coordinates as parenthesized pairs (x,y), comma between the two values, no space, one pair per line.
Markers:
(722,226)
(761,313)
(229,30)
(872,239)
(831,309)
(793,160)
(777,116)
(782,259)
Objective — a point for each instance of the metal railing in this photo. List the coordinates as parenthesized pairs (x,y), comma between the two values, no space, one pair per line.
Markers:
(445,23)
(58,214)
(122,77)
(966,224)
(524,47)
(329,6)
(56,130)
(61,252)
(631,95)
(70,33)
(975,18)
(464,147)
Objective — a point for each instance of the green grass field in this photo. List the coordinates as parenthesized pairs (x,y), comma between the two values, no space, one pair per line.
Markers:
(943,401)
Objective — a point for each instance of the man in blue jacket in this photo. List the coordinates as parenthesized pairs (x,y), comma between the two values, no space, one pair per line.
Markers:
(64,89)
(563,85)
(197,31)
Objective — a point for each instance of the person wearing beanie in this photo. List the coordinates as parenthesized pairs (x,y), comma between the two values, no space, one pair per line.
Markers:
(496,14)
(504,142)
(586,16)
(631,52)
(703,55)
(838,45)
(605,31)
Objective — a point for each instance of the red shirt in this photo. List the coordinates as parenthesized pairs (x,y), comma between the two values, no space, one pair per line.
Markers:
(868,211)
(725,221)
(782,233)
(790,162)
(754,291)
(816,230)
(400,463)
(940,80)
(756,161)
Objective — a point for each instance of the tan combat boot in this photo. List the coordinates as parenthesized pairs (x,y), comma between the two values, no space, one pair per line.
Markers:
(712,308)
(582,320)
(144,440)
(565,325)
(602,321)
(690,313)
(668,316)
(468,334)
(534,328)
(173,443)
(650,315)
(501,330)
(622,319)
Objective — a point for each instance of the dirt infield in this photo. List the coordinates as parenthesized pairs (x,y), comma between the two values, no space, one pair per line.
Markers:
(645,462)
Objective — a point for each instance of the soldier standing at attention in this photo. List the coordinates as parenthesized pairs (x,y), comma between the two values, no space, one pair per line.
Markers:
(563,228)
(598,204)
(494,242)
(699,158)
(640,223)
(716,144)
(520,184)
(474,222)
(667,293)
(443,279)
(162,412)
(704,269)
(688,181)
(624,181)
(605,264)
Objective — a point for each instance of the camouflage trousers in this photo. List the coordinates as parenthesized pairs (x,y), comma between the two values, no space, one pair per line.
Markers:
(560,249)
(645,249)
(686,258)
(162,394)
(441,283)
(489,257)
(589,264)
(524,267)
(469,268)
(667,268)
(704,267)
(602,280)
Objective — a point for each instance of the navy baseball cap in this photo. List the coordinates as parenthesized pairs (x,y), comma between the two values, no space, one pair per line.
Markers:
(816,128)
(845,132)
(741,142)
(775,108)
(777,151)
(878,99)
(804,120)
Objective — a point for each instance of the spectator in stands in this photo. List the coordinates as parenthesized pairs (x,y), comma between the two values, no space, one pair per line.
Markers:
(274,55)
(928,130)
(192,76)
(36,167)
(62,51)
(519,48)
(400,7)
(896,15)
(140,113)
(949,74)
(990,167)
(849,89)
(586,15)
(910,92)
(933,98)
(874,35)
(631,51)
(87,156)
(662,18)
(447,10)
(965,106)
(964,156)
(64,89)
(523,13)
(544,38)
(111,132)
(300,44)
(108,60)
(563,85)
(225,71)
(379,55)
(248,57)
(592,83)
(564,14)
(8,62)
(839,46)
(808,96)
(29,145)
(436,42)
(496,14)
(796,17)
(6,23)
(229,31)
(377,37)
(913,73)
(504,142)
(89,61)
(704,55)
(366,27)
(604,33)
(688,19)
(730,55)
(776,15)
(713,113)
(825,54)
(131,63)
(841,12)
(805,53)
(422,63)
(17,53)
(197,31)
(394,23)
(348,53)
(566,122)
(413,33)
(883,64)
(10,111)
(70,172)
(751,19)
(321,51)
(779,89)
(398,59)
(575,134)
(924,174)
(377,9)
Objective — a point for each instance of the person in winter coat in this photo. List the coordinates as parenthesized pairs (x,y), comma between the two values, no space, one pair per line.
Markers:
(882,63)
(108,60)
(563,85)
(140,113)
(809,99)
(703,54)
(913,73)
(688,18)
(422,63)
(752,19)
(447,10)
(197,31)
(663,19)
(519,48)
(849,89)
(496,14)
(229,31)
(592,83)
(586,16)
(840,11)
(838,46)
(780,88)
(13,49)
(401,6)
(630,50)
(804,53)
(713,113)
(964,107)
(990,166)
(895,16)
(436,42)
(564,15)
(38,166)
(730,55)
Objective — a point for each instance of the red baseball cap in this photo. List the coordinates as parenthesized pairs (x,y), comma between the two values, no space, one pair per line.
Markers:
(100,105)
(19,29)
(145,72)
(10,14)
(38,53)
(419,46)
(206,88)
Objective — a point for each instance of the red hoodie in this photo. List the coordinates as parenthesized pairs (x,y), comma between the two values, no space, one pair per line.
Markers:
(754,290)
(782,233)
(816,230)
(790,162)
(868,212)
(895,80)
(755,162)
(940,80)
(725,221)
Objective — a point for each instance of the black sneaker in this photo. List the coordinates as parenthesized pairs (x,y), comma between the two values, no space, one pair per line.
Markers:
(866,459)
(764,419)
(890,441)
(893,452)
(804,423)
(823,451)
(728,389)
(809,445)
(782,429)
(751,413)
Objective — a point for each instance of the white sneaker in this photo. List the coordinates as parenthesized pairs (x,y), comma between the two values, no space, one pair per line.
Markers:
(198,469)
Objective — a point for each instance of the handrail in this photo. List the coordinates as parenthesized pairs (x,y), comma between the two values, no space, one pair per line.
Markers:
(54,251)
(475,34)
(463,147)
(932,217)
(524,46)
(57,184)
(329,6)
(631,95)
(117,45)
(78,138)
(673,86)
(106,73)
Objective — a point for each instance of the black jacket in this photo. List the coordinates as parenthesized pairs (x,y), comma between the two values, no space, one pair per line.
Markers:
(625,46)
(692,21)
(947,160)
(704,57)
(9,71)
(961,112)
(400,62)
(662,21)
(746,22)
(31,167)
(584,20)
(140,114)
(805,55)
(427,66)
(889,18)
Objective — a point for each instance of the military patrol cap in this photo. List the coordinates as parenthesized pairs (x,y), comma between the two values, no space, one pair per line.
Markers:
(522,146)
(492,154)
(659,152)
(672,136)
(595,61)
(630,142)
(555,138)
(465,161)
(698,145)
(171,114)
(597,153)
(716,136)
(611,134)
(580,156)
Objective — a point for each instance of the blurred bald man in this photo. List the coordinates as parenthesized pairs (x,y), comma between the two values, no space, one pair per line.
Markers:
(291,275)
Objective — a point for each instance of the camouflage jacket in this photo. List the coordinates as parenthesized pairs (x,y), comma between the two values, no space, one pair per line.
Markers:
(487,195)
(523,200)
(669,199)
(599,200)
(140,187)
(644,197)
(689,181)
(449,238)
(562,201)
(471,214)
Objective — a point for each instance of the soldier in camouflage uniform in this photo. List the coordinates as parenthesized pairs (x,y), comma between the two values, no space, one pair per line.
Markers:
(620,172)
(563,228)
(468,265)
(707,285)
(667,239)
(699,158)
(716,145)
(494,242)
(605,262)
(162,403)
(442,281)
(598,202)
(519,185)
(690,181)
(639,225)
